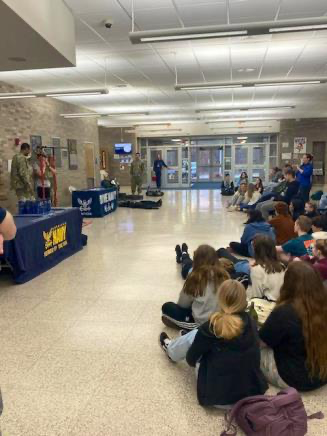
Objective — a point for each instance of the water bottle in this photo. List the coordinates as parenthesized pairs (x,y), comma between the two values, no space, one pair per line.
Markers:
(21,207)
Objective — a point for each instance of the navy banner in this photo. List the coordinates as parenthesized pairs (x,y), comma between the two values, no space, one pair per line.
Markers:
(96,202)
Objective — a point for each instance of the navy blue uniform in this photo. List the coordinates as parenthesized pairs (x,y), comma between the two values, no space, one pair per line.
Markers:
(157,167)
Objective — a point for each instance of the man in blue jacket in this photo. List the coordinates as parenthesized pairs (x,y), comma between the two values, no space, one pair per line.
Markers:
(157,168)
(304,176)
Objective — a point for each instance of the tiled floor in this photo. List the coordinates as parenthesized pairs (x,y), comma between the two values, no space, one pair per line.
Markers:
(78,345)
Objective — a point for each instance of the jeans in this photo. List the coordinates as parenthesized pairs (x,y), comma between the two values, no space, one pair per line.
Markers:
(304,193)
(178,348)
(266,208)
(158,179)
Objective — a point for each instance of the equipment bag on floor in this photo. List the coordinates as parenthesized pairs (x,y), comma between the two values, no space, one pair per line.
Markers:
(274,415)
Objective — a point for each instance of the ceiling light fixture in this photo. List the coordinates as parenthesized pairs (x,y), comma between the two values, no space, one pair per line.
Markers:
(176,140)
(225,120)
(248,84)
(228,30)
(66,93)
(243,138)
(244,109)
(95,114)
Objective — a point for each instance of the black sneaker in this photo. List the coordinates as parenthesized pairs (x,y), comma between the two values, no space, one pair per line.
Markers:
(164,341)
(159,202)
(184,248)
(178,252)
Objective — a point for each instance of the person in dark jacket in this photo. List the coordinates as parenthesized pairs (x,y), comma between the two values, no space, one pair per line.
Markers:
(255,225)
(224,350)
(297,208)
(158,164)
(227,186)
(290,190)
(294,334)
(304,176)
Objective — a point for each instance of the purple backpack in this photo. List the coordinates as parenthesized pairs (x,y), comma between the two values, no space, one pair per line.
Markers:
(274,415)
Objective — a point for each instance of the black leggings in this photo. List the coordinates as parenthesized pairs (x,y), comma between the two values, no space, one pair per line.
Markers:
(239,248)
(178,316)
(187,264)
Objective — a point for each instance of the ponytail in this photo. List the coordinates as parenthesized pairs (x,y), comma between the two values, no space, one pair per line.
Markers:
(227,323)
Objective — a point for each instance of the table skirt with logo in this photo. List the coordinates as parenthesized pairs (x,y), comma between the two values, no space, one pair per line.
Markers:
(42,242)
(95,202)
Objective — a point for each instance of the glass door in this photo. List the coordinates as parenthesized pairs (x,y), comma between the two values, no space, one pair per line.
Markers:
(172,174)
(259,162)
(251,158)
(240,159)
(207,164)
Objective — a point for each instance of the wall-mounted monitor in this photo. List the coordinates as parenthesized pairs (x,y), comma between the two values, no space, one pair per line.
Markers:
(123,148)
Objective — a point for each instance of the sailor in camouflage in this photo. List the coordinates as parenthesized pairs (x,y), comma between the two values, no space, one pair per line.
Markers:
(137,172)
(21,174)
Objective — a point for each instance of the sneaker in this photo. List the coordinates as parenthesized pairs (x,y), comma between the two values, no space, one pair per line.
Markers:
(178,252)
(184,248)
(164,341)
(159,202)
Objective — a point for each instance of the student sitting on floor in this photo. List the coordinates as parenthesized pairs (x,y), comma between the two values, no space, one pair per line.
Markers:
(238,197)
(299,246)
(227,186)
(259,185)
(255,225)
(296,208)
(282,223)
(319,259)
(319,224)
(225,351)
(251,198)
(209,258)
(266,271)
(198,299)
(310,210)
(294,335)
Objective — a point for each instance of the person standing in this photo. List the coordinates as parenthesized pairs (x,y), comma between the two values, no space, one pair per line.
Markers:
(43,172)
(21,174)
(157,168)
(137,172)
(304,176)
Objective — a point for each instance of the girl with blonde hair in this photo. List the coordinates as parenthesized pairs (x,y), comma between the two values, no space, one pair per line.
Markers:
(225,351)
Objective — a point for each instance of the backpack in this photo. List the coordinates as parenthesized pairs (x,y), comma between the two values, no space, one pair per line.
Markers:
(270,415)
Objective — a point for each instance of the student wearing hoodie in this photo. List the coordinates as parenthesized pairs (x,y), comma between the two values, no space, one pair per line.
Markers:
(198,298)
(319,251)
(255,225)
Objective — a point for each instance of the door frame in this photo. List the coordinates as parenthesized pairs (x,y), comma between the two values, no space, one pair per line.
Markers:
(164,180)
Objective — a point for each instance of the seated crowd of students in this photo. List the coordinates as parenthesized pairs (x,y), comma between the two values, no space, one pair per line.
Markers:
(233,356)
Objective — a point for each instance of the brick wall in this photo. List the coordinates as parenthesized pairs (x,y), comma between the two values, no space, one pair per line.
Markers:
(41,116)
(108,137)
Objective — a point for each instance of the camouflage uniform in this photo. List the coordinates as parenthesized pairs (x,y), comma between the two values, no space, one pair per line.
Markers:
(137,172)
(21,177)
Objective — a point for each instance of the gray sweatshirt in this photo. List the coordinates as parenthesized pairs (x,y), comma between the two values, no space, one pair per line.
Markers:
(202,307)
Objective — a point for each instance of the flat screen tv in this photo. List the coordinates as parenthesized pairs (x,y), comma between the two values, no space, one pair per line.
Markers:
(123,148)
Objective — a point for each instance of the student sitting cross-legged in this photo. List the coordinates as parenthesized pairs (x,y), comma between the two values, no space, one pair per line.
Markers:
(224,350)
(299,246)
(198,298)
(266,271)
(255,225)
(282,223)
(294,349)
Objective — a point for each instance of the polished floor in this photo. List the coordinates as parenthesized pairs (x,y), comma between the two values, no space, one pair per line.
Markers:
(78,345)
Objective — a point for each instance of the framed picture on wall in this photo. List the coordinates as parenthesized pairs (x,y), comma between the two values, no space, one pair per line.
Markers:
(300,145)
(36,141)
(56,144)
(72,154)
(103,160)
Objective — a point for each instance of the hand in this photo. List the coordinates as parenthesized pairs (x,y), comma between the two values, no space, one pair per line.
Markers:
(296,259)
(1,243)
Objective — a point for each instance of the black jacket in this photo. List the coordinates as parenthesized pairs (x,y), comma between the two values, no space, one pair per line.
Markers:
(289,193)
(229,370)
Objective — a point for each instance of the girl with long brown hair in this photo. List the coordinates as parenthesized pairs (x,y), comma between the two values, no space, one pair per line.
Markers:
(225,351)
(295,332)
(198,298)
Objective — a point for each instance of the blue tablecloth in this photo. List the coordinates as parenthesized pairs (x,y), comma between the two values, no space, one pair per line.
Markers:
(96,202)
(42,242)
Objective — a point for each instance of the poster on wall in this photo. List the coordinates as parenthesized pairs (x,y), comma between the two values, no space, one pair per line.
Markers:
(300,145)
(36,141)
(56,144)
(103,160)
(72,154)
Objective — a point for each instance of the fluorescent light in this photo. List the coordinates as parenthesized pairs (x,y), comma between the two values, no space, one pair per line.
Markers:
(95,114)
(298,28)
(225,120)
(176,140)
(242,137)
(125,113)
(194,36)
(228,30)
(244,109)
(304,82)
(152,124)
(7,97)
(248,84)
